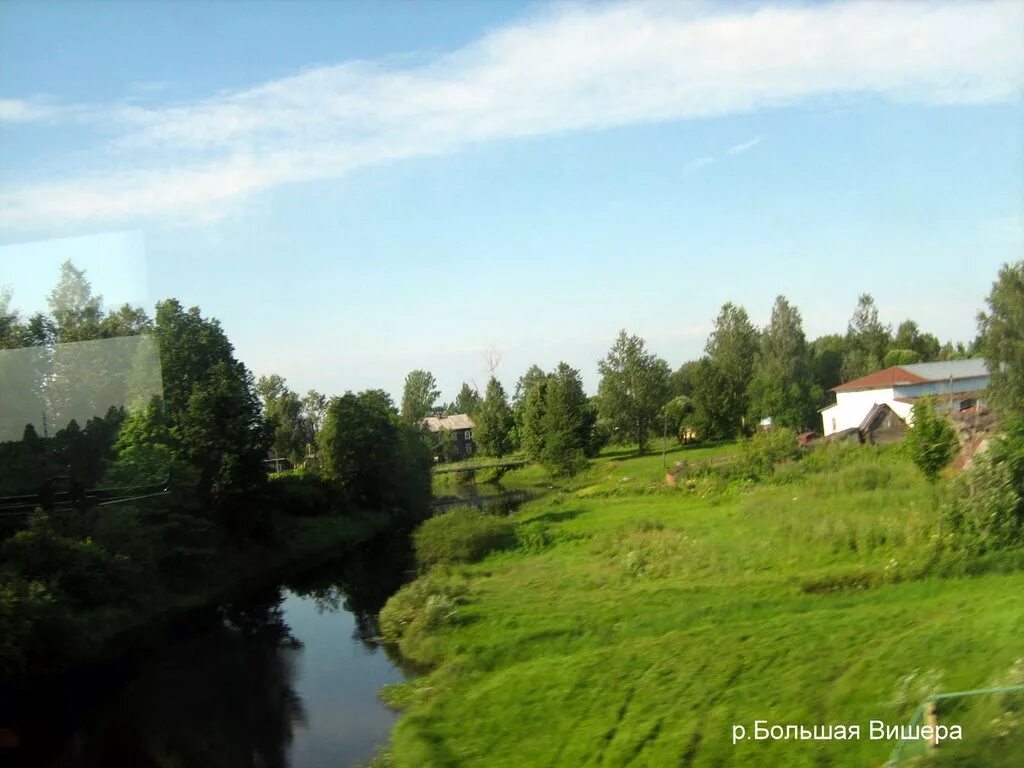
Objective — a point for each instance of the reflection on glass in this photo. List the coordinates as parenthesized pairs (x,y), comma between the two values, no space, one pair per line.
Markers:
(48,387)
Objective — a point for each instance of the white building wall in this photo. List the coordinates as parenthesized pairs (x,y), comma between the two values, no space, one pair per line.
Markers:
(851,408)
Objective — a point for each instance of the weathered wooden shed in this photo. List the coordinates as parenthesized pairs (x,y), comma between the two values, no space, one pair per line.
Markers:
(882,426)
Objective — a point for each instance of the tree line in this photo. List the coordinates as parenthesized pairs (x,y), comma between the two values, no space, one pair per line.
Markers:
(199,440)
(745,375)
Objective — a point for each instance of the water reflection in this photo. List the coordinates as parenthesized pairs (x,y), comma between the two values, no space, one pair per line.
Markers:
(287,677)
(360,584)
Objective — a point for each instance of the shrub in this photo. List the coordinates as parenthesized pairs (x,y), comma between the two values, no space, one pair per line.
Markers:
(535,537)
(81,570)
(987,509)
(462,535)
(931,441)
(418,606)
(757,456)
(32,623)
(302,492)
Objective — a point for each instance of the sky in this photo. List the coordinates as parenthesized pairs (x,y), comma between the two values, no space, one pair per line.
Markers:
(356,190)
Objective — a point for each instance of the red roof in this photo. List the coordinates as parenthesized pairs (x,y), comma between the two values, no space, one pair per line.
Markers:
(889,377)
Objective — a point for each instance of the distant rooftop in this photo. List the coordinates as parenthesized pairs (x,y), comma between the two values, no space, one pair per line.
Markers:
(942,371)
(917,373)
(453,422)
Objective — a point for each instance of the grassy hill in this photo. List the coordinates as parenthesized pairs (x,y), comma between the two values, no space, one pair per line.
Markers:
(636,624)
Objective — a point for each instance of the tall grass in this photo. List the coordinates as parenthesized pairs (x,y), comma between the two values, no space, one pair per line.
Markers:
(633,623)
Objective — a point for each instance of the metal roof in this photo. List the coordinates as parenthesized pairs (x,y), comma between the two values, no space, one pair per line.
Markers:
(942,371)
(917,373)
(453,422)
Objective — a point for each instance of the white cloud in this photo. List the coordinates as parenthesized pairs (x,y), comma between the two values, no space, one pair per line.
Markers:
(21,111)
(746,146)
(697,163)
(569,69)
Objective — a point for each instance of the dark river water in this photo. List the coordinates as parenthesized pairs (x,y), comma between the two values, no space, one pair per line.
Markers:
(287,676)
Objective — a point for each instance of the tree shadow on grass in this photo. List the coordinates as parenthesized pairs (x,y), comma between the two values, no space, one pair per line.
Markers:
(620,452)
(557,517)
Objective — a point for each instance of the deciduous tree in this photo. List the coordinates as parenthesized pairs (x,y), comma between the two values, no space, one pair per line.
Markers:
(419,396)
(1002,340)
(782,387)
(723,376)
(210,399)
(467,400)
(494,421)
(867,340)
(634,388)
(909,336)
(558,422)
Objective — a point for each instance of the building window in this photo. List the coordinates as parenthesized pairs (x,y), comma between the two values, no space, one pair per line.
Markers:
(468,436)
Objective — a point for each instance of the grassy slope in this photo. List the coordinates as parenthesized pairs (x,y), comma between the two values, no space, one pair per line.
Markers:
(658,619)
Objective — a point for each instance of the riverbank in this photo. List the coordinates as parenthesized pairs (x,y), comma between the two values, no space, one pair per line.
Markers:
(258,678)
(637,623)
(112,627)
(306,543)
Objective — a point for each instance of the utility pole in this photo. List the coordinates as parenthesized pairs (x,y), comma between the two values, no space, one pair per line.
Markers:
(45,432)
(664,442)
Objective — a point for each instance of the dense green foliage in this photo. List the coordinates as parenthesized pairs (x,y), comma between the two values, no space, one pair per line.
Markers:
(634,389)
(419,395)
(721,394)
(931,442)
(533,377)
(986,511)
(466,401)
(558,422)
(782,387)
(292,424)
(461,535)
(193,512)
(378,461)
(867,340)
(1002,340)
(210,403)
(494,421)
(758,455)
(747,374)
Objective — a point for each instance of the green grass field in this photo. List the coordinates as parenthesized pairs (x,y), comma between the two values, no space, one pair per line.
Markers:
(636,624)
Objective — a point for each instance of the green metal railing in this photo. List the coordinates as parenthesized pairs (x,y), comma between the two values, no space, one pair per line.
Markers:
(915,721)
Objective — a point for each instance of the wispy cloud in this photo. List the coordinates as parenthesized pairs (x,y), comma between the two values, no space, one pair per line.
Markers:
(568,69)
(697,163)
(746,146)
(26,111)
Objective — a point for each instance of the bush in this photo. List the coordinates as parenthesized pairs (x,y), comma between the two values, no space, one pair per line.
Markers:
(32,623)
(931,441)
(535,537)
(462,535)
(418,606)
(757,456)
(302,492)
(987,509)
(81,570)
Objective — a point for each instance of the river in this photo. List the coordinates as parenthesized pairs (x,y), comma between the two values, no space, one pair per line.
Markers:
(287,676)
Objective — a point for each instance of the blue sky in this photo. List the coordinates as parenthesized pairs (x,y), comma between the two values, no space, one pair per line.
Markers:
(357,190)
